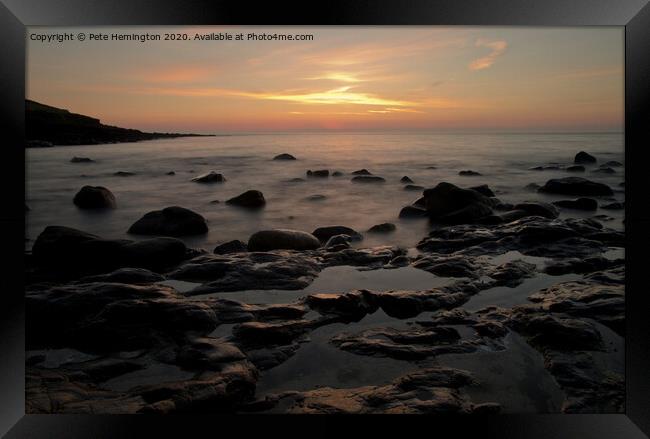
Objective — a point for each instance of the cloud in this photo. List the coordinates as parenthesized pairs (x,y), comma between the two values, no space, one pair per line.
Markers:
(498,48)
(337,76)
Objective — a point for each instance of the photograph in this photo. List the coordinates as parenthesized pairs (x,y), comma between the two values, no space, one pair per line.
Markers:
(234,219)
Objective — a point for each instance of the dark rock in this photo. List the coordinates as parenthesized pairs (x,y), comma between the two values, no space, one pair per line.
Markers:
(126,276)
(413,187)
(450,204)
(261,333)
(353,305)
(579,204)
(361,172)
(613,206)
(316,197)
(368,179)
(504,206)
(250,199)
(540,209)
(575,168)
(210,177)
(235,246)
(382,228)
(124,173)
(575,186)
(94,197)
(170,221)
(532,187)
(284,156)
(337,174)
(483,189)
(612,164)
(266,240)
(584,158)
(171,173)
(325,233)
(338,242)
(81,160)
(585,265)
(412,212)
(318,173)
(420,202)
(604,170)
(405,179)
(469,173)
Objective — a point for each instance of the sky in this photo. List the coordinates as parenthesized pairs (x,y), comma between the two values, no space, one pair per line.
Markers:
(519,79)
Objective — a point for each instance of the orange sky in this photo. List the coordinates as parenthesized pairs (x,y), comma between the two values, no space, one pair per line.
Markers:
(486,78)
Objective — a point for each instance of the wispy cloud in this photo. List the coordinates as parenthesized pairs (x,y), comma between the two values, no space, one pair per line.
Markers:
(497,47)
(337,76)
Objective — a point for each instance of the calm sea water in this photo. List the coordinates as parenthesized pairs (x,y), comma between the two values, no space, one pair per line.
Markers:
(246,161)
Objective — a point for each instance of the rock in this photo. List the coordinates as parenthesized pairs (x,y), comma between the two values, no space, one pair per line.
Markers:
(419,202)
(575,186)
(604,170)
(612,164)
(504,206)
(318,173)
(431,167)
(405,179)
(337,174)
(94,197)
(215,202)
(613,206)
(450,204)
(585,265)
(448,266)
(412,212)
(171,173)
(206,353)
(284,156)
(170,221)
(483,189)
(382,228)
(413,187)
(126,276)
(124,173)
(532,187)
(266,240)
(69,249)
(76,159)
(325,233)
(235,246)
(250,199)
(469,173)
(575,168)
(353,306)
(361,172)
(338,242)
(584,158)
(540,209)
(316,197)
(559,333)
(368,179)
(262,333)
(210,177)
(578,204)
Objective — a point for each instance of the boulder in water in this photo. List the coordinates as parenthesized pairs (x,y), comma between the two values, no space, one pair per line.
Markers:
(575,186)
(76,159)
(382,228)
(320,173)
(284,239)
(210,177)
(326,232)
(447,203)
(578,204)
(284,156)
(170,221)
(584,158)
(368,179)
(94,197)
(235,246)
(250,199)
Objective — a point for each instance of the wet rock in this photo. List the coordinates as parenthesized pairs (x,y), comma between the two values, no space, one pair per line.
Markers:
(449,266)
(413,187)
(338,242)
(126,276)
(369,259)
(250,199)
(604,170)
(586,265)
(575,168)
(483,189)
(578,204)
(234,246)
(504,206)
(326,232)
(280,270)
(275,239)
(337,174)
(205,353)
(558,332)
(469,173)
(584,158)
(123,174)
(612,164)
(447,203)
(405,179)
(68,249)
(297,180)
(284,156)
(575,186)
(368,179)
(532,187)
(321,173)
(261,333)
(512,273)
(76,159)
(428,391)
(412,212)
(613,206)
(210,177)
(382,228)
(539,209)
(353,305)
(171,173)
(170,221)
(361,172)
(94,197)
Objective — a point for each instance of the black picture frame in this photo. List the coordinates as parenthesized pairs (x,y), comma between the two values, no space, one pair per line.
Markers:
(15,15)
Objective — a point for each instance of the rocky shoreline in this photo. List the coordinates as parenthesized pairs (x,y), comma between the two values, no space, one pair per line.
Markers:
(109,308)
